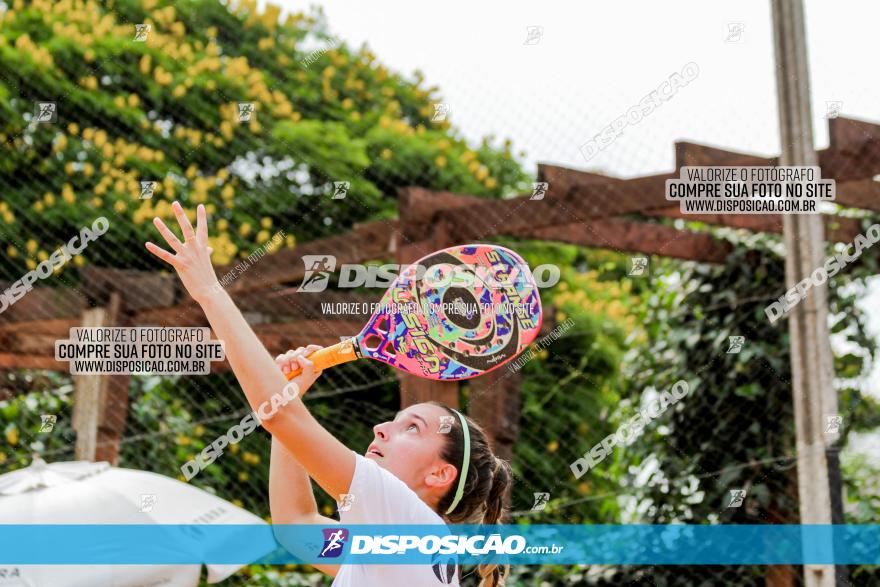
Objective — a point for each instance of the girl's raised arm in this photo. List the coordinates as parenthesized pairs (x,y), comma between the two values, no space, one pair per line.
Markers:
(325,458)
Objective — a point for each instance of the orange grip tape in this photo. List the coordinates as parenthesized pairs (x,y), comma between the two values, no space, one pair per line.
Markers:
(337,354)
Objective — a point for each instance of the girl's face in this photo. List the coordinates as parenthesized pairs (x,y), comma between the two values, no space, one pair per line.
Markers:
(410,447)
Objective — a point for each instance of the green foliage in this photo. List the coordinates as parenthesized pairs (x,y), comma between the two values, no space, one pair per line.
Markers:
(167,110)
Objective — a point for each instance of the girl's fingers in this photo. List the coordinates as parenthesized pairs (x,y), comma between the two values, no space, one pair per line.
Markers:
(309,369)
(162,254)
(201,224)
(169,236)
(185,225)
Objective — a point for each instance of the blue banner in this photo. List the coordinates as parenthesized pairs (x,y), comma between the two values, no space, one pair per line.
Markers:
(401,544)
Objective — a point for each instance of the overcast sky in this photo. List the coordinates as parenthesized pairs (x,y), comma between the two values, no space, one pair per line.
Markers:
(594,60)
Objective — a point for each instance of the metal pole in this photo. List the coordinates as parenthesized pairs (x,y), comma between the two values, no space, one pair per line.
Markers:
(811,360)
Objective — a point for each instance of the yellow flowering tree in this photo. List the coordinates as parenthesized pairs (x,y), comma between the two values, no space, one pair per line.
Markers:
(256,118)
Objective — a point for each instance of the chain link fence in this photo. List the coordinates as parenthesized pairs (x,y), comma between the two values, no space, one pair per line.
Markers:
(283,127)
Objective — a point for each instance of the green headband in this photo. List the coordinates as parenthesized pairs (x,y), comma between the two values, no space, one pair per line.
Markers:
(464,466)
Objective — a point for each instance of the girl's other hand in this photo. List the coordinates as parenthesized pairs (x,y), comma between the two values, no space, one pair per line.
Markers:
(192,260)
(298,359)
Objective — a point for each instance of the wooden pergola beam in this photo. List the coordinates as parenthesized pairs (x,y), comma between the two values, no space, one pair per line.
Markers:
(838,229)
(614,233)
(366,241)
(636,237)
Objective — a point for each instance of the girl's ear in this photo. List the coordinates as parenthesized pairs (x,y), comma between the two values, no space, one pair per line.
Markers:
(443,475)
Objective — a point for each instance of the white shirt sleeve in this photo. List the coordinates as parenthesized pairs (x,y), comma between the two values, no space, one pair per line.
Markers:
(378,497)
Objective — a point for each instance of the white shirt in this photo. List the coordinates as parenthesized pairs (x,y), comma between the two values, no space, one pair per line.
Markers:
(382,498)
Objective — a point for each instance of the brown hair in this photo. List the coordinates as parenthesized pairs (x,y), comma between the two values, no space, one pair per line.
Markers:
(488,479)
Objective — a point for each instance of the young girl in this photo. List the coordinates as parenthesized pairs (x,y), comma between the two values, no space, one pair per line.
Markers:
(418,470)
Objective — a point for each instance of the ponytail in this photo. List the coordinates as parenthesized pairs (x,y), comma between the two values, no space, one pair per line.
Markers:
(493,575)
(484,487)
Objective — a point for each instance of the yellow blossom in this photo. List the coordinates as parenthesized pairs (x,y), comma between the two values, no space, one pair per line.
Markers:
(386,154)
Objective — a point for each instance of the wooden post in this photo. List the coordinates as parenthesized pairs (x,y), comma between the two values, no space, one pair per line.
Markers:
(100,404)
(495,402)
(811,360)
(414,389)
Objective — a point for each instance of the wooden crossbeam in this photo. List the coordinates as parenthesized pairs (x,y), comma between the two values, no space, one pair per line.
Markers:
(838,229)
(610,233)
(635,237)
(367,241)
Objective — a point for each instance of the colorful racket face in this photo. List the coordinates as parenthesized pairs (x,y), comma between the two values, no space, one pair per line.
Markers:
(455,314)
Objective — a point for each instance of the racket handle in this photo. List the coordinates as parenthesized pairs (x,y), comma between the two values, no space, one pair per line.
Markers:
(337,354)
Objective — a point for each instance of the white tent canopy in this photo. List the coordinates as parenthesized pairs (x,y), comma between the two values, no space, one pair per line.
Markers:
(82,492)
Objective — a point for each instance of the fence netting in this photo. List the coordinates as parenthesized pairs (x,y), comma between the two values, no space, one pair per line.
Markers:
(289,135)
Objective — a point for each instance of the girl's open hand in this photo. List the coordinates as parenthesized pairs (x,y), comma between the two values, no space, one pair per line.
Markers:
(192,260)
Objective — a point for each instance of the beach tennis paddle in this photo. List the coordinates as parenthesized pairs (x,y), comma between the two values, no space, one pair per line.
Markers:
(454,314)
